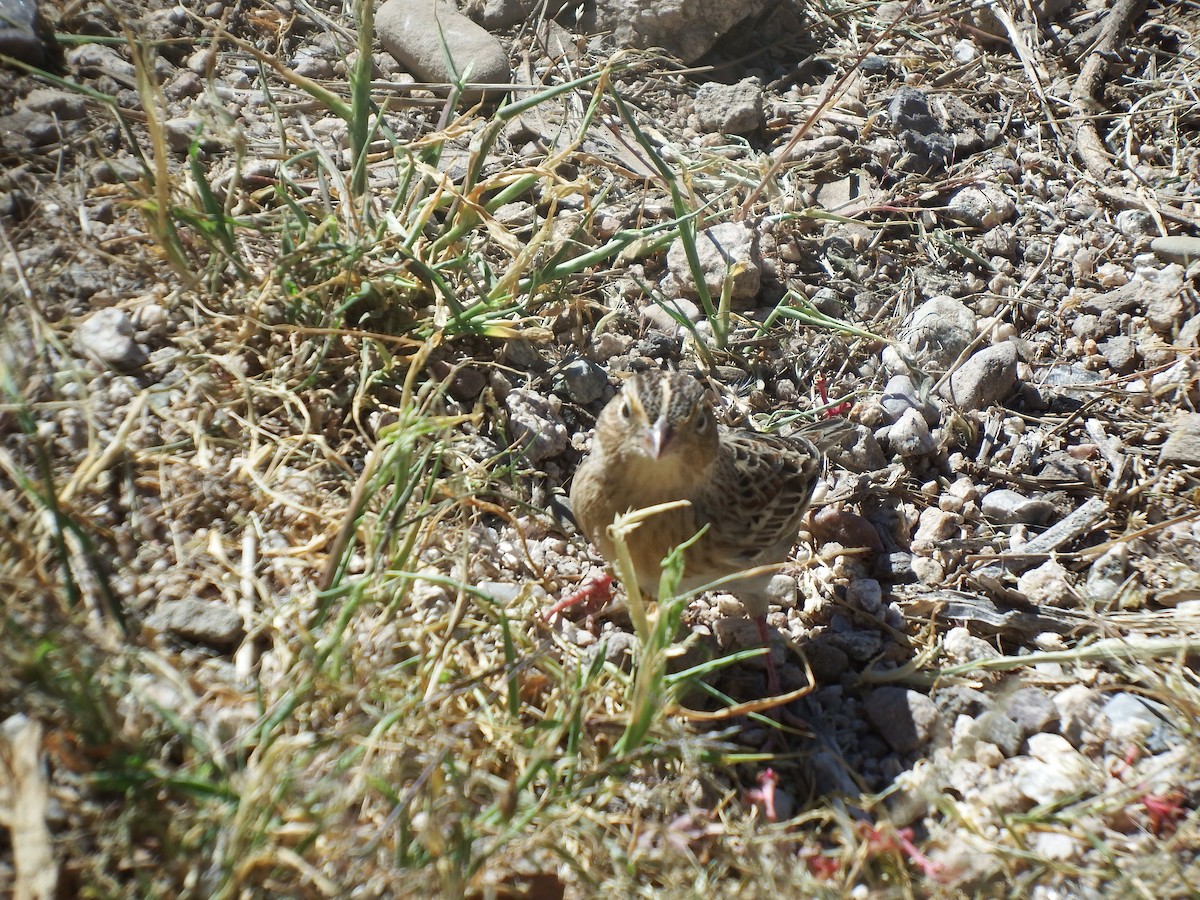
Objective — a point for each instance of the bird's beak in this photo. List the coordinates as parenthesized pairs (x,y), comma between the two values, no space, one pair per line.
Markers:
(660,434)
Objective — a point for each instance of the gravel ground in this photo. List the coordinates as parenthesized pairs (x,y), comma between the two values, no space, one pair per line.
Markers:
(998,595)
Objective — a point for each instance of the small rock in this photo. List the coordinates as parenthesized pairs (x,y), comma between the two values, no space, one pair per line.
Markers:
(181,131)
(832,523)
(535,425)
(1182,249)
(866,594)
(665,315)
(1165,313)
(687,30)
(108,336)
(939,329)
(895,567)
(934,527)
(988,754)
(1182,446)
(619,648)
(929,571)
(962,646)
(905,719)
(1047,585)
(495,15)
(828,663)
(1031,709)
(1136,224)
(582,380)
(1063,770)
(25,35)
(207,622)
(1077,707)
(1007,507)
(909,437)
(1047,10)
(860,646)
(726,250)
(783,590)
(730,108)
(1108,574)
(860,454)
(981,207)
(901,395)
(996,728)
(1120,353)
(1130,720)
(927,147)
(959,700)
(437,43)
(59,103)
(986,378)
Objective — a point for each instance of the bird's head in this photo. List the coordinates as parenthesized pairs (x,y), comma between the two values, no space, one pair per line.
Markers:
(660,419)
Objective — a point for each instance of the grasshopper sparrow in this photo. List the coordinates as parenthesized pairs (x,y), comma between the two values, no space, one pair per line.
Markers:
(658,441)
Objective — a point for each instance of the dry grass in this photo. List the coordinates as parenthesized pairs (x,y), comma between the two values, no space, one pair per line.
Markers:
(395,717)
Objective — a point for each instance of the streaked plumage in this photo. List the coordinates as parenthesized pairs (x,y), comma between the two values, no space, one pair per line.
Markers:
(658,441)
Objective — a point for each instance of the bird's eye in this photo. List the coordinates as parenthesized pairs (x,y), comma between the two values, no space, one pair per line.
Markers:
(702,422)
(626,410)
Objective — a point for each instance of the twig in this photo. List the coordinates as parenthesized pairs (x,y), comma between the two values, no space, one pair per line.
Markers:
(1084,101)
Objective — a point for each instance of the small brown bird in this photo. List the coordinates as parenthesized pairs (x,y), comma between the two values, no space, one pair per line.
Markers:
(658,441)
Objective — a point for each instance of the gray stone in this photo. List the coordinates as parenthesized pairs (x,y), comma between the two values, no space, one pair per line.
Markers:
(860,646)
(939,330)
(901,394)
(962,646)
(208,622)
(1071,382)
(981,207)
(24,34)
(862,454)
(1181,248)
(1182,446)
(1077,707)
(905,719)
(730,108)
(1136,224)
(535,425)
(827,661)
(60,103)
(664,315)
(909,437)
(1129,718)
(1107,574)
(437,43)
(957,700)
(728,249)
(996,728)
(986,378)
(686,28)
(1120,353)
(926,145)
(934,526)
(108,336)
(1056,770)
(1010,508)
(582,380)
(1031,709)
(1165,313)
(783,589)
(1047,10)
(866,594)
(95,60)
(181,131)
(1047,585)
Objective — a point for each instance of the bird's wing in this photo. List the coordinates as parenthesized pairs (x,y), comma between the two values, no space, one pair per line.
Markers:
(756,503)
